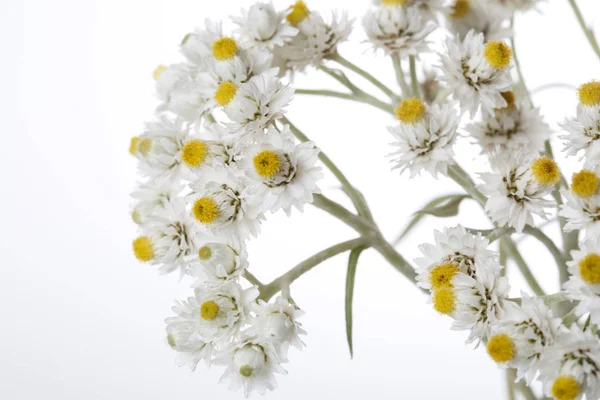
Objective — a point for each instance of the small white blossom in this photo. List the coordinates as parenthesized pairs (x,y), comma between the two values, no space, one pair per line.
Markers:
(584,281)
(220,260)
(583,133)
(263,27)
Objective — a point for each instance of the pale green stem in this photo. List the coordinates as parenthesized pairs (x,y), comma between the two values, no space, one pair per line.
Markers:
(356,197)
(406,92)
(413,76)
(518,66)
(342,61)
(549,86)
(285,280)
(462,178)
(549,299)
(360,97)
(570,318)
(526,390)
(589,34)
(252,279)
(513,252)
(510,377)
(497,233)
(546,241)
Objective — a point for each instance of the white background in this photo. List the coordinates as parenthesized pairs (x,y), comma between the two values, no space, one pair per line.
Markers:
(80,318)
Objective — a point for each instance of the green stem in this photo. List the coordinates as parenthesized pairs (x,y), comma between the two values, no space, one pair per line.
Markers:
(413,76)
(356,197)
(252,279)
(549,86)
(342,61)
(510,377)
(513,252)
(518,68)
(464,180)
(546,241)
(286,279)
(526,390)
(406,92)
(360,97)
(588,32)
(570,318)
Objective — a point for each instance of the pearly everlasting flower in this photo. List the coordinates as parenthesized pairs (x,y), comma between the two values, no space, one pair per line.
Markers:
(571,367)
(424,137)
(220,260)
(522,337)
(179,91)
(481,16)
(223,203)
(252,365)
(582,203)
(514,194)
(427,7)
(286,173)
(475,73)
(263,27)
(517,5)
(584,281)
(277,323)
(398,30)
(153,196)
(583,133)
(510,129)
(317,39)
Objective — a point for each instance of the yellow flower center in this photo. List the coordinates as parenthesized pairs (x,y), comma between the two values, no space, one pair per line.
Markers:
(589,268)
(143,249)
(246,371)
(194,153)
(444,300)
(589,93)
(565,388)
(393,2)
(205,253)
(497,54)
(158,71)
(224,49)
(267,163)
(209,310)
(144,146)
(133,145)
(585,183)
(545,171)
(206,210)
(510,98)
(460,8)
(298,14)
(225,93)
(501,348)
(411,110)
(441,276)
(171,340)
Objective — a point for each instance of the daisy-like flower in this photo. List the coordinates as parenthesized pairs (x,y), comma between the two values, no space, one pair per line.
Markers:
(224,204)
(220,260)
(179,91)
(477,73)
(183,336)
(582,205)
(252,365)
(583,133)
(285,172)
(210,44)
(518,5)
(515,193)
(482,16)
(455,250)
(172,236)
(571,367)
(152,196)
(398,30)
(584,282)
(424,137)
(259,103)
(520,339)
(317,39)
(277,323)
(510,129)
(263,27)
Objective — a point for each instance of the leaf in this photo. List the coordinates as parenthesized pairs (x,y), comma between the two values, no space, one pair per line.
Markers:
(420,214)
(447,208)
(350,276)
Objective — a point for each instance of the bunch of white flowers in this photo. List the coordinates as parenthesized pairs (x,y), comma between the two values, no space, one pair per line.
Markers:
(220,155)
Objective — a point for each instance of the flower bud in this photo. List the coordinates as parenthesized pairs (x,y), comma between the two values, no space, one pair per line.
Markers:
(263,20)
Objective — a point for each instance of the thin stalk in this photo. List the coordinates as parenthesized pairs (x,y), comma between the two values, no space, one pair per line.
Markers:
(549,86)
(464,180)
(526,390)
(342,61)
(252,279)
(356,197)
(589,34)
(286,279)
(510,377)
(570,317)
(518,65)
(361,97)
(413,76)
(546,241)
(406,92)
(513,252)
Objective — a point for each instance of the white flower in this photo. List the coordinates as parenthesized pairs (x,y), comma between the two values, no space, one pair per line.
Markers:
(482,16)
(179,91)
(582,213)
(573,365)
(277,323)
(224,203)
(475,73)
(284,171)
(427,8)
(263,27)
(480,300)
(517,5)
(220,260)
(583,133)
(252,365)
(259,102)
(152,196)
(317,39)
(398,30)
(426,144)
(183,335)
(528,331)
(584,282)
(511,129)
(453,247)
(514,195)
